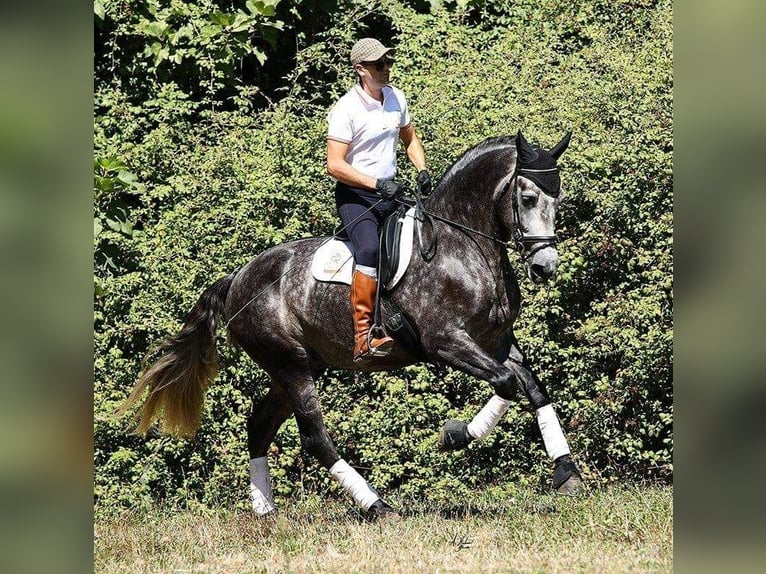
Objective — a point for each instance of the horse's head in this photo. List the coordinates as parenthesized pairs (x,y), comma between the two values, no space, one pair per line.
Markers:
(536,196)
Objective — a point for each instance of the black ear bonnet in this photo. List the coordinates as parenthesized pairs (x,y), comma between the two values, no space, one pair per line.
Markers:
(539,165)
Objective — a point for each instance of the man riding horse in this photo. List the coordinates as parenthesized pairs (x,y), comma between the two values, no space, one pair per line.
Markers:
(365,126)
(501,191)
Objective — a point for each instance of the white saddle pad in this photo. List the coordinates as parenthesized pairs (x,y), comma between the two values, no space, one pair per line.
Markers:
(334,261)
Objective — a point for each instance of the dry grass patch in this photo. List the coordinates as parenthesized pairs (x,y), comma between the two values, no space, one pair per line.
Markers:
(616,530)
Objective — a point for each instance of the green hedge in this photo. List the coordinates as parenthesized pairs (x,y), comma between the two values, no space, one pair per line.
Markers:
(185,193)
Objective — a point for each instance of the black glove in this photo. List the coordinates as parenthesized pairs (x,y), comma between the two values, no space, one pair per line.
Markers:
(424,182)
(388,188)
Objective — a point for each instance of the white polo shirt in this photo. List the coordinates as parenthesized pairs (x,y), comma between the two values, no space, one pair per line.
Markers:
(370,128)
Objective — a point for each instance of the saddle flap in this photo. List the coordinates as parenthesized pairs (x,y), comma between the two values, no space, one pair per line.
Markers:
(396,246)
(389,245)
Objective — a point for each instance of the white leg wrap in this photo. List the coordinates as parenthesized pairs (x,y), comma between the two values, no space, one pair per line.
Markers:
(261,495)
(362,493)
(488,417)
(553,437)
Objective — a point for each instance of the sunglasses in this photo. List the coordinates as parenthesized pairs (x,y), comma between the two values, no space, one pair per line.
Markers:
(379,64)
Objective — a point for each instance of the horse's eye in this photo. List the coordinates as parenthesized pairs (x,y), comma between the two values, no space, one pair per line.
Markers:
(528,199)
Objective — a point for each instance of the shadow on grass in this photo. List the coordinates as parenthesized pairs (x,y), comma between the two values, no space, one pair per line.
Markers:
(543,507)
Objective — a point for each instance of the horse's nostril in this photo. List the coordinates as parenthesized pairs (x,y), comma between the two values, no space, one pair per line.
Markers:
(540,271)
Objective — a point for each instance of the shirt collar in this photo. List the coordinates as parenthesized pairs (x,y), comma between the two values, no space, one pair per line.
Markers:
(368,100)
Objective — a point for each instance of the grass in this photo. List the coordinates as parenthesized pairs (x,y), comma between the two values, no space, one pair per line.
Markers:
(612,530)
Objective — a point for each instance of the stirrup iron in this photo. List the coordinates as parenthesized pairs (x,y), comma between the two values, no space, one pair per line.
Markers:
(380,350)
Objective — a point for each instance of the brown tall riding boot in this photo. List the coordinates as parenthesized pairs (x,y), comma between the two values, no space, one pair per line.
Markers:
(362,297)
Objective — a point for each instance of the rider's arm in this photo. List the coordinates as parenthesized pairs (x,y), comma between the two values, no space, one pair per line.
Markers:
(340,169)
(413,146)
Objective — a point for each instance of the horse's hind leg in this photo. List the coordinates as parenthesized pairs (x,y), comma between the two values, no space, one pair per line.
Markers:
(316,440)
(262,425)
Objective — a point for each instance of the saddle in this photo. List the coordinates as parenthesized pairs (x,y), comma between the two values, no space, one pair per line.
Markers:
(392,251)
(334,261)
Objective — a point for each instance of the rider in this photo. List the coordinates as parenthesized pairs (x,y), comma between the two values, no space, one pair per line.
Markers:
(364,126)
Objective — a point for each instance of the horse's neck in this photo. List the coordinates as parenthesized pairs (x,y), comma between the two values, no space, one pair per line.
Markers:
(467,197)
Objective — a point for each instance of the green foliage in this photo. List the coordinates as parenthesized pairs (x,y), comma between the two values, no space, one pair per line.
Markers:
(184,192)
(197,45)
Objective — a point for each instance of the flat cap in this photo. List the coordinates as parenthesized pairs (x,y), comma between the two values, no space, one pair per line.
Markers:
(368,50)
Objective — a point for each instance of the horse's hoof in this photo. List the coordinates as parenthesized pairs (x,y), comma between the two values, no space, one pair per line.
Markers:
(566,477)
(454,436)
(571,487)
(382,511)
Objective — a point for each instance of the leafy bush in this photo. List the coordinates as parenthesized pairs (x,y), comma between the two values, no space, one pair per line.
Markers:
(185,192)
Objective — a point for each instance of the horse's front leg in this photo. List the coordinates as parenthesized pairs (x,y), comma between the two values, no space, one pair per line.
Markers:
(566,476)
(514,373)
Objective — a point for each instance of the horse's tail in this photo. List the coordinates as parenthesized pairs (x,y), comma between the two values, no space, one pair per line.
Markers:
(188,364)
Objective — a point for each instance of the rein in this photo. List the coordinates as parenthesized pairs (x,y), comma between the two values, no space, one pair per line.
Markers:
(519,242)
(452,223)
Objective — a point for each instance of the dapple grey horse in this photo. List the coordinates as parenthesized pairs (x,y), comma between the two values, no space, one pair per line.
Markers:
(502,190)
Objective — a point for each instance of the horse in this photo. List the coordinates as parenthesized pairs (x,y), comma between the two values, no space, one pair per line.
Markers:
(503,190)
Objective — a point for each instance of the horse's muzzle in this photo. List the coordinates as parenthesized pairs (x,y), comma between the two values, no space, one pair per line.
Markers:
(542,265)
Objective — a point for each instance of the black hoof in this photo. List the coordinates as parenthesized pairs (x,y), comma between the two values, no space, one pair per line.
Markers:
(454,436)
(380,510)
(566,477)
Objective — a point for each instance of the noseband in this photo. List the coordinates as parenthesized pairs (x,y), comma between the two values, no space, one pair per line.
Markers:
(521,240)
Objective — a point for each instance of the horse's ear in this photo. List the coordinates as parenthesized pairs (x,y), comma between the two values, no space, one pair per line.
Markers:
(524,151)
(561,147)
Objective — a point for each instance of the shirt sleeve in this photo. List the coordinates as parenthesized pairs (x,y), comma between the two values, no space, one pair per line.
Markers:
(339,124)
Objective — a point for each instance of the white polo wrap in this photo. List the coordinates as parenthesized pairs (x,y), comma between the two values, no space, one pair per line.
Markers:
(553,437)
(261,495)
(362,493)
(488,417)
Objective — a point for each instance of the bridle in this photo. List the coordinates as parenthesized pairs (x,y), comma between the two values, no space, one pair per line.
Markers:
(522,240)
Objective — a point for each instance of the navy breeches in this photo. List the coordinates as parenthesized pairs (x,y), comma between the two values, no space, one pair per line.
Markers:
(362,228)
